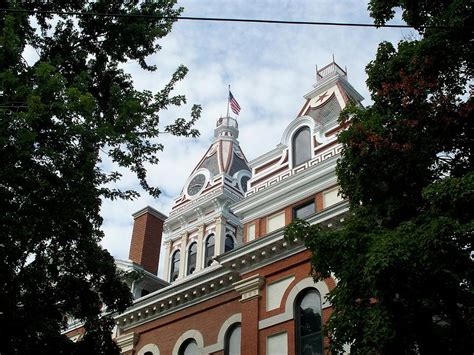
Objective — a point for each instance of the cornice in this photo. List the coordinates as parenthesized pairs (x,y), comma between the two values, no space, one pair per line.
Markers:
(191,290)
(330,81)
(151,211)
(273,247)
(217,199)
(267,156)
(292,189)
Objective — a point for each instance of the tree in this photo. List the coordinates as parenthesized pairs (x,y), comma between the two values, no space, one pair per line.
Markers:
(60,116)
(404,257)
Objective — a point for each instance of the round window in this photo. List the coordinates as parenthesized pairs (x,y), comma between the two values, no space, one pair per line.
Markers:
(196,184)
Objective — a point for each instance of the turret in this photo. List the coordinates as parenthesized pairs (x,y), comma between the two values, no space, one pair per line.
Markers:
(200,225)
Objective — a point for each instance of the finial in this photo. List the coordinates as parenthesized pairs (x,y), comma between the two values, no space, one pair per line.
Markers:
(333,58)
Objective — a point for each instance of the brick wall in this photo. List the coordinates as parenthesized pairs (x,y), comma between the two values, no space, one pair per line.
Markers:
(146,238)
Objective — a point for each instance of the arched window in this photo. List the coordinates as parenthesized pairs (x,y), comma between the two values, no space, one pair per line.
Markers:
(192,253)
(309,337)
(229,243)
(210,241)
(232,340)
(301,145)
(189,347)
(175,266)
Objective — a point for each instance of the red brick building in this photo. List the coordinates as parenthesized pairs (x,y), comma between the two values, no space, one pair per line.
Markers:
(233,284)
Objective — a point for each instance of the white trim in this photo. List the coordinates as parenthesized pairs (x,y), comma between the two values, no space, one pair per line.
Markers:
(291,154)
(127,341)
(239,175)
(190,334)
(294,126)
(219,345)
(290,301)
(294,188)
(281,350)
(149,347)
(207,176)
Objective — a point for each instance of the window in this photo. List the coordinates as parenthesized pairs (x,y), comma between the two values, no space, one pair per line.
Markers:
(331,197)
(244,183)
(251,232)
(232,340)
(192,253)
(303,211)
(209,252)
(144,292)
(301,145)
(189,347)
(229,243)
(309,338)
(277,344)
(175,266)
(275,222)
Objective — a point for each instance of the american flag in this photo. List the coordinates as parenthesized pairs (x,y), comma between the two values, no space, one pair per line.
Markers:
(234,105)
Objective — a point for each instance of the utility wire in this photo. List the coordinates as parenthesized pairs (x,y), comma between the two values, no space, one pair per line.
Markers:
(212,19)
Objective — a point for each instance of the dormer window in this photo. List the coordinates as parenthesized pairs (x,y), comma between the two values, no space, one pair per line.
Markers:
(301,146)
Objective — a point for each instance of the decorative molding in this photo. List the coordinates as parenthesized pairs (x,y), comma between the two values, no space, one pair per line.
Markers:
(151,211)
(149,347)
(290,190)
(190,334)
(126,342)
(219,345)
(273,246)
(190,290)
(308,282)
(250,288)
(290,172)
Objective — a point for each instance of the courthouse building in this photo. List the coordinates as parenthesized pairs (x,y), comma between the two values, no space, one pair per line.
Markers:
(232,283)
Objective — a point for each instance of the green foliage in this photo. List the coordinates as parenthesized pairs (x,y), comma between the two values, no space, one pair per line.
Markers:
(59,117)
(404,257)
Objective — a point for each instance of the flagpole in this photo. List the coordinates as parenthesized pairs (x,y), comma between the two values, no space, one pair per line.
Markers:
(228,101)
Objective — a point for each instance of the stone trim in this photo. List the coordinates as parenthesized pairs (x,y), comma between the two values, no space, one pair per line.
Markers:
(193,289)
(235,318)
(250,288)
(308,282)
(190,334)
(150,210)
(126,342)
(149,347)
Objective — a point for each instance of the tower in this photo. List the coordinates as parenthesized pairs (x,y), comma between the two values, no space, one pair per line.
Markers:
(200,225)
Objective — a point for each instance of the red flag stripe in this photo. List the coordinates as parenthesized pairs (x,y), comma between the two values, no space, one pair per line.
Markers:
(234,105)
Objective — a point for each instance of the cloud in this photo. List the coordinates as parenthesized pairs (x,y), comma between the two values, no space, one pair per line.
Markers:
(270,68)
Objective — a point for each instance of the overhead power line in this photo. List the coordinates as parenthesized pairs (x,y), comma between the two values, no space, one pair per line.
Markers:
(211,19)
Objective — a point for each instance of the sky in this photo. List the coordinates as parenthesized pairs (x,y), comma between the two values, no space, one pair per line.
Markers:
(269,67)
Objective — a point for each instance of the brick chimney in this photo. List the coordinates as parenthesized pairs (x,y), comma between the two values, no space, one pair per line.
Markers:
(146,238)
